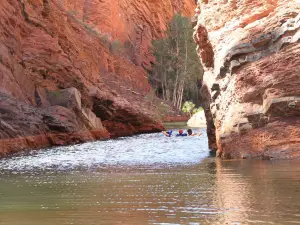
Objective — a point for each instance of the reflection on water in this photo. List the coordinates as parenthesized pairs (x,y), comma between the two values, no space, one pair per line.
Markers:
(259,192)
(148,179)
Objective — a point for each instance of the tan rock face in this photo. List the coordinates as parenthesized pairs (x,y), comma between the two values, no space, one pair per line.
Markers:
(251,53)
(60,82)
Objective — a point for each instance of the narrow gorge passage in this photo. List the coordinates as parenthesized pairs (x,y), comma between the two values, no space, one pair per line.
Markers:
(87,86)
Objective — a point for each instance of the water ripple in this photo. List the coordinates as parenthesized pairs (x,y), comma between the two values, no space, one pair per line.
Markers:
(148,150)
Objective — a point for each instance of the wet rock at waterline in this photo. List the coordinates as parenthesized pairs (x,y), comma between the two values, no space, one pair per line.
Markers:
(197,120)
(251,54)
(66,121)
(23,126)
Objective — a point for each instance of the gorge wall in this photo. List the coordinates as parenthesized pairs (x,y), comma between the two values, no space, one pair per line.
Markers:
(251,53)
(61,82)
(134,22)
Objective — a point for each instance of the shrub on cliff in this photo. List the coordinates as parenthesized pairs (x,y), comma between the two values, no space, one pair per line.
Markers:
(116,47)
(190,108)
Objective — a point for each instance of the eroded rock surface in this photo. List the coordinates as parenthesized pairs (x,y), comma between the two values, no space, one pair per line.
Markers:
(251,54)
(23,126)
(134,22)
(60,80)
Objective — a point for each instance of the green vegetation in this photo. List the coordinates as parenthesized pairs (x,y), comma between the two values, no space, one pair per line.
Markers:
(196,110)
(56,93)
(177,70)
(89,27)
(190,108)
(117,46)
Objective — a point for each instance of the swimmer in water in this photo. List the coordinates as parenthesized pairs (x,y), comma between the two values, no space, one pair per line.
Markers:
(190,133)
(167,133)
(181,134)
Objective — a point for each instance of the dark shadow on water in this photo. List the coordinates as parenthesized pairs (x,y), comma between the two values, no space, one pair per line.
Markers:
(212,154)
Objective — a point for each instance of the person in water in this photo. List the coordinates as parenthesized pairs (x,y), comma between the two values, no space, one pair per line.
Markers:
(190,133)
(181,134)
(169,133)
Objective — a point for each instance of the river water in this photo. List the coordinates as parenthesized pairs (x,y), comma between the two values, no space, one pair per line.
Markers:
(146,179)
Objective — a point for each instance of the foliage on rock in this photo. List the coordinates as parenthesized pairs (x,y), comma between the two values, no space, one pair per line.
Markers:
(190,108)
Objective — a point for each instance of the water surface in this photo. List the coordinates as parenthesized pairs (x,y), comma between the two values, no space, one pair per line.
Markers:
(146,179)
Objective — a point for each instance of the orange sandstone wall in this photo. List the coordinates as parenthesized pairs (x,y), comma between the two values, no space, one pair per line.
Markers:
(60,83)
(251,53)
(137,22)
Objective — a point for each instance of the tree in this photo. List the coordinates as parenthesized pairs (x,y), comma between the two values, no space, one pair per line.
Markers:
(177,69)
(196,110)
(188,107)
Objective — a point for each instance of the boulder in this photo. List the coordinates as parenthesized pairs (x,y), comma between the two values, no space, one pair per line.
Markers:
(68,98)
(93,120)
(197,120)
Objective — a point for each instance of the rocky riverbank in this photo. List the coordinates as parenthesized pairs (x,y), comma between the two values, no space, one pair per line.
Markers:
(64,78)
(63,119)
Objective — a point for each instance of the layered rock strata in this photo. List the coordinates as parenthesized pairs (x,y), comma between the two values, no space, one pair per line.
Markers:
(134,22)
(61,81)
(251,54)
(23,126)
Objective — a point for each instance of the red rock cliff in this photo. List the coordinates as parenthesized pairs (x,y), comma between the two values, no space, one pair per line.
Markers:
(134,22)
(61,82)
(251,53)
